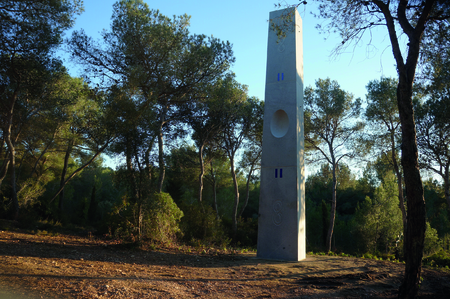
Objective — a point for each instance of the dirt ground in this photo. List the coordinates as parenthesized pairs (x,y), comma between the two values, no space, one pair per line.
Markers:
(64,266)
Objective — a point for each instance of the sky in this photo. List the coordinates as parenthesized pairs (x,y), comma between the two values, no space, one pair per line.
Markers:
(244,23)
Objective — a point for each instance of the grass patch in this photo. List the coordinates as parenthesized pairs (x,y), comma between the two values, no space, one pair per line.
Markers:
(438,260)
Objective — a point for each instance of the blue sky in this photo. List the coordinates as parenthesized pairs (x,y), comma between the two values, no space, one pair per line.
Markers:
(245,24)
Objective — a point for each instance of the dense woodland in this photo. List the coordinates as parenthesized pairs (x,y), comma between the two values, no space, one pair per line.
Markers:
(186,136)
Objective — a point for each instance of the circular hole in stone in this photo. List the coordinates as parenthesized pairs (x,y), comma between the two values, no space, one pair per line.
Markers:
(279,124)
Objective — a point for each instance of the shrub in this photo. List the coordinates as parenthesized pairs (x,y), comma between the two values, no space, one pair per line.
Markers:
(161,218)
(432,244)
(119,221)
(441,258)
(200,225)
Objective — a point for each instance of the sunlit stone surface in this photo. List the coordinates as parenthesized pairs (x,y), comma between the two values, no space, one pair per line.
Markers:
(281,226)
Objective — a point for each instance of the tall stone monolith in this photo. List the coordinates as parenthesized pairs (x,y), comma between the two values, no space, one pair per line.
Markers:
(281,223)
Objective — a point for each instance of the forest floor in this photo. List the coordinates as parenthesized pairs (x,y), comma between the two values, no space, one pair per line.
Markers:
(66,266)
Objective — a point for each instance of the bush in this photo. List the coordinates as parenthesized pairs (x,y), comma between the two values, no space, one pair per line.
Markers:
(119,221)
(432,244)
(441,259)
(367,256)
(200,225)
(161,218)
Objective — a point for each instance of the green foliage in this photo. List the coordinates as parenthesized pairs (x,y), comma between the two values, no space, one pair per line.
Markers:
(162,68)
(350,193)
(344,236)
(241,120)
(247,232)
(437,207)
(31,189)
(182,173)
(201,225)
(315,225)
(162,80)
(378,222)
(156,219)
(433,130)
(441,259)
(353,20)
(382,103)
(252,208)
(331,128)
(35,27)
(161,219)
(330,117)
(29,31)
(432,244)
(120,221)
(94,194)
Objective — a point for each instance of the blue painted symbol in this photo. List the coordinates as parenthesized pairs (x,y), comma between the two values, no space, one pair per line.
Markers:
(276,173)
(282,76)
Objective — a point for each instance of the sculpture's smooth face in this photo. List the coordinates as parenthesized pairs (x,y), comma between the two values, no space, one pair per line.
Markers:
(281,226)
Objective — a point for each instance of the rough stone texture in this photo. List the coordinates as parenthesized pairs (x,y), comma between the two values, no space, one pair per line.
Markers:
(281,227)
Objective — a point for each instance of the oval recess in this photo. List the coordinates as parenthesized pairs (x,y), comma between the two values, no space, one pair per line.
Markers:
(279,124)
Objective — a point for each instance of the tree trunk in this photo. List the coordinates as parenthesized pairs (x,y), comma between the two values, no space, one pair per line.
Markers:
(447,186)
(200,176)
(401,201)
(99,151)
(4,169)
(12,154)
(214,189)
(140,218)
(19,170)
(148,165)
(236,193)
(247,191)
(415,218)
(130,168)
(63,176)
(415,229)
(12,157)
(5,161)
(375,241)
(333,209)
(44,151)
(92,204)
(162,167)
